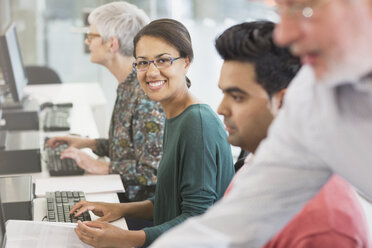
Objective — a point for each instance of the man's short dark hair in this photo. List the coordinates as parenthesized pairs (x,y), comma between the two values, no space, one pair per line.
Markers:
(252,42)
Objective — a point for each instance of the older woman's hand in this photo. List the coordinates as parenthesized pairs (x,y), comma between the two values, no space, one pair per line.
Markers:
(86,162)
(71,140)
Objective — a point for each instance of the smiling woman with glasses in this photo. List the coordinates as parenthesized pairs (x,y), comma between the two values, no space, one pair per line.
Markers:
(135,136)
(196,166)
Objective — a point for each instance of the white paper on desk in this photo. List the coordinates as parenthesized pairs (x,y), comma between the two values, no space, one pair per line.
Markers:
(89,184)
(22,233)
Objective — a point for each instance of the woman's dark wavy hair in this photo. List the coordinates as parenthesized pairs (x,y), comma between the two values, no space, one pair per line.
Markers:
(172,32)
(252,42)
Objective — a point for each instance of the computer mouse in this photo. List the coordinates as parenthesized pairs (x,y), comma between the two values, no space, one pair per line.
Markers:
(46,105)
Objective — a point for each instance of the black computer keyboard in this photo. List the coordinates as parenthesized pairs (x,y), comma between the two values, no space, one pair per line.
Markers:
(61,167)
(57,119)
(60,203)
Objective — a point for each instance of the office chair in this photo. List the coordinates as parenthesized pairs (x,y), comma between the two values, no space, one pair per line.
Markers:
(41,75)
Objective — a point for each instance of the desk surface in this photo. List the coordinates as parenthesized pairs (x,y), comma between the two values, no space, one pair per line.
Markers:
(87,99)
(89,94)
(82,123)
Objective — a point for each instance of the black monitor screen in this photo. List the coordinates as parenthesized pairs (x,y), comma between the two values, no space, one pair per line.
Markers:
(2,226)
(12,63)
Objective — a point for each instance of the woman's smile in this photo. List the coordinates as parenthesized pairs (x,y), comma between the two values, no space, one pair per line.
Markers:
(156,84)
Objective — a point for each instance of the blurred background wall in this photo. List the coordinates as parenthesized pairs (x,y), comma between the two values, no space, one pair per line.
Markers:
(47,35)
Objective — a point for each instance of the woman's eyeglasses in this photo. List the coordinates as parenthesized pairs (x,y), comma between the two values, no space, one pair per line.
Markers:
(163,62)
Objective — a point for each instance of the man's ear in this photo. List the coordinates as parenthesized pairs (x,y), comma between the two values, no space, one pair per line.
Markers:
(280,98)
(114,44)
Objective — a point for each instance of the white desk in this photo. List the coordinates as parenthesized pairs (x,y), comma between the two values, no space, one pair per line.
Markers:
(82,123)
(90,94)
(87,113)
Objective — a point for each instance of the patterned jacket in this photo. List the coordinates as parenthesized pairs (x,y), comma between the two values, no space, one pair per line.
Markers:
(135,138)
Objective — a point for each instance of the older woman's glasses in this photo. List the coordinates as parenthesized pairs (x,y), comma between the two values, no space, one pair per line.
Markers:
(163,62)
(301,9)
(91,36)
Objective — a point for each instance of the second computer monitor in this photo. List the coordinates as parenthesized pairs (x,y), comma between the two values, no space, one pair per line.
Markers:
(12,63)
(2,226)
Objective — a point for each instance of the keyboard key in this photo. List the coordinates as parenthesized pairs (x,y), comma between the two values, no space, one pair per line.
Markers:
(50,206)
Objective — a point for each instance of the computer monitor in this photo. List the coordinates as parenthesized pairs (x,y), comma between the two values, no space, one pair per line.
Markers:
(11,63)
(4,15)
(2,226)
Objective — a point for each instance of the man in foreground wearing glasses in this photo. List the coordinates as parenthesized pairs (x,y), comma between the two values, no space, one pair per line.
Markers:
(135,138)
(324,127)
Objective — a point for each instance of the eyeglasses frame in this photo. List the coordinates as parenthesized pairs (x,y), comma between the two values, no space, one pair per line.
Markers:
(306,12)
(90,36)
(153,62)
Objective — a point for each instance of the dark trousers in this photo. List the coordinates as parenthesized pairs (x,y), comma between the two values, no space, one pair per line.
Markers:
(132,223)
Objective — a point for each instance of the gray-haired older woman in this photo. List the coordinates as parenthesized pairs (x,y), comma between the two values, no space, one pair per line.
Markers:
(135,138)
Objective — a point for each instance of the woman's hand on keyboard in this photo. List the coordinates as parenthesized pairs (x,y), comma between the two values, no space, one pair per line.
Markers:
(107,211)
(71,140)
(86,162)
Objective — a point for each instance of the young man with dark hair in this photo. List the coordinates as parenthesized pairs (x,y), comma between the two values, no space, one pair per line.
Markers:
(254,78)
